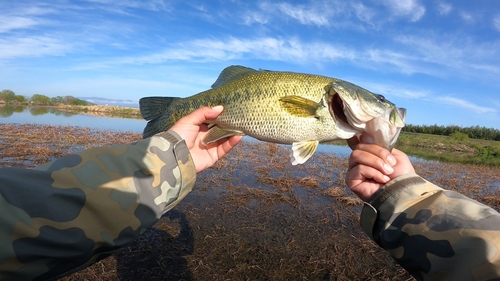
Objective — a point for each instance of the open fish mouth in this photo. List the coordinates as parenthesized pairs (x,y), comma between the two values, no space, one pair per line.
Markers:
(338,108)
(382,123)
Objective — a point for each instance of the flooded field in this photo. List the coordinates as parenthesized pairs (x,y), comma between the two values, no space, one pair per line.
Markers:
(253,216)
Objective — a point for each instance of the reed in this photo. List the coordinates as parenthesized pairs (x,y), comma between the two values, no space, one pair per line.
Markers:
(253,216)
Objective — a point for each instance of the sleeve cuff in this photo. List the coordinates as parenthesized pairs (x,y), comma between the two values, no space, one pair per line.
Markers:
(184,162)
(371,209)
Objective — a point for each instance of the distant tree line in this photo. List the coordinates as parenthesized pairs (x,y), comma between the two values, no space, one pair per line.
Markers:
(474,132)
(9,97)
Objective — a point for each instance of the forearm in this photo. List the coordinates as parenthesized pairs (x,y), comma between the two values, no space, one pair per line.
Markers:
(64,214)
(433,233)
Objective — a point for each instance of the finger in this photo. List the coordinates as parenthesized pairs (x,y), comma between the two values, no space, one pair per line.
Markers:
(363,138)
(365,181)
(366,158)
(362,172)
(378,151)
(353,142)
(202,115)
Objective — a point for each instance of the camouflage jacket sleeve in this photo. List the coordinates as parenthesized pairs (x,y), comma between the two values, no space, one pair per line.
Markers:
(435,234)
(69,213)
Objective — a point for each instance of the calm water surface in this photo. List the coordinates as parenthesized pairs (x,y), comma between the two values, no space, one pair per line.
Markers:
(50,116)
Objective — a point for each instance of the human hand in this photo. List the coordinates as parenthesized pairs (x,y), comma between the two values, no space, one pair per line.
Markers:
(192,128)
(371,166)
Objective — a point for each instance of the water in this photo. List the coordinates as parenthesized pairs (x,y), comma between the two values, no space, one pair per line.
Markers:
(51,116)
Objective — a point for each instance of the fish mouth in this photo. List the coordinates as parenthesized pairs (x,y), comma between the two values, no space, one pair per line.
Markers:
(383,130)
(338,108)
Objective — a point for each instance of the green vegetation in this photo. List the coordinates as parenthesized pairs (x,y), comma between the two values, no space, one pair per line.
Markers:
(474,132)
(9,97)
(457,148)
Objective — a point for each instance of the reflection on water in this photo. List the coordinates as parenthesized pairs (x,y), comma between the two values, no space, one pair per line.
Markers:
(52,116)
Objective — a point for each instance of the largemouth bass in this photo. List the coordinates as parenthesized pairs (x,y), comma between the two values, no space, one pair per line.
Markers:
(283,107)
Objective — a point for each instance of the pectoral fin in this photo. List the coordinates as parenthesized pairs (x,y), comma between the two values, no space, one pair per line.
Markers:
(303,150)
(299,106)
(216,133)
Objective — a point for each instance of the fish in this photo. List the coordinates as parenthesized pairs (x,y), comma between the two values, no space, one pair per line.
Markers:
(282,107)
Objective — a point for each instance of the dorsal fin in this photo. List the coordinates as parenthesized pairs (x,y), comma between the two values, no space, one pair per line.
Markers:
(232,73)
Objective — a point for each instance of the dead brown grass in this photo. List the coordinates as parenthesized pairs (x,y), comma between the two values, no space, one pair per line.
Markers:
(251,217)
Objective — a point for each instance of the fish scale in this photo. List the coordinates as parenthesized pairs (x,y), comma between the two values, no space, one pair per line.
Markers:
(280,107)
(252,106)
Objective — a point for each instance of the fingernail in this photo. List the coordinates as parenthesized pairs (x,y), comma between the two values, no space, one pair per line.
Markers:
(218,108)
(386,178)
(388,168)
(391,160)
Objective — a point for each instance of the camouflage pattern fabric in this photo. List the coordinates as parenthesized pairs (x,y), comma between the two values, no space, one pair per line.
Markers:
(66,214)
(435,234)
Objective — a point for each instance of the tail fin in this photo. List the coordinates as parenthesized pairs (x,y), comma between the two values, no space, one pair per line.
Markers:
(154,127)
(154,107)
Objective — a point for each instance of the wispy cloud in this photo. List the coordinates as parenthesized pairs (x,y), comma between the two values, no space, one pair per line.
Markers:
(466,16)
(391,90)
(466,105)
(444,8)
(209,50)
(152,5)
(9,23)
(420,54)
(406,8)
(251,17)
(34,46)
(317,13)
(463,54)
(363,13)
(496,22)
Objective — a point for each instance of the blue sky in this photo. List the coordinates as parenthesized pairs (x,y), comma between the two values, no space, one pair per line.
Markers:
(438,59)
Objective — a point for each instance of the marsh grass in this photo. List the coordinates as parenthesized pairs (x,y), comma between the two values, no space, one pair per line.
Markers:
(253,216)
(450,149)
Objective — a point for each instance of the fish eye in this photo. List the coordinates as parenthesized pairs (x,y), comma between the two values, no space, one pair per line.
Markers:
(381,98)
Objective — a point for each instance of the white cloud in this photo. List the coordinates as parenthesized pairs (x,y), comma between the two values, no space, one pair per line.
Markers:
(444,8)
(496,22)
(308,15)
(467,105)
(152,5)
(34,46)
(9,23)
(315,13)
(466,17)
(266,48)
(390,90)
(363,13)
(406,8)
(461,54)
(390,60)
(254,17)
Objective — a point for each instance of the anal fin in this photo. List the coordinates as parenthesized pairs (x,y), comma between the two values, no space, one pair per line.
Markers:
(303,150)
(215,133)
